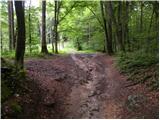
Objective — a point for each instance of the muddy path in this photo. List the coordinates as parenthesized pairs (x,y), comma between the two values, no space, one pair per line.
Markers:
(88,86)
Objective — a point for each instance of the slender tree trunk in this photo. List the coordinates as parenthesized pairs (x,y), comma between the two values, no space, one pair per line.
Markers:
(44,44)
(52,33)
(123,21)
(57,10)
(52,39)
(55,26)
(115,44)
(126,26)
(30,36)
(1,40)
(156,11)
(89,33)
(20,44)
(119,30)
(105,26)
(149,29)
(11,24)
(15,35)
(79,47)
(141,19)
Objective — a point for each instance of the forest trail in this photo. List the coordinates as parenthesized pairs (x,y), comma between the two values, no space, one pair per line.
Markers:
(87,86)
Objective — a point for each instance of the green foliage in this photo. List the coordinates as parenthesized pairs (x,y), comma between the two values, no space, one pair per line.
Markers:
(130,61)
(11,79)
(140,68)
(82,20)
(8,54)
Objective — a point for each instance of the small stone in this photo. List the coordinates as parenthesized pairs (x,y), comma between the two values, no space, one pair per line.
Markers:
(16,95)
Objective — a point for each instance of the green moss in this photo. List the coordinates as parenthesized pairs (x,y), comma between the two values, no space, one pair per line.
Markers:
(140,67)
(16,108)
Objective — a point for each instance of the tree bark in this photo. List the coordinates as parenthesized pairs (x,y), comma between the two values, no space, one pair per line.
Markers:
(109,22)
(120,28)
(107,42)
(20,44)
(44,45)
(30,36)
(55,26)
(117,24)
(126,26)
(57,10)
(11,24)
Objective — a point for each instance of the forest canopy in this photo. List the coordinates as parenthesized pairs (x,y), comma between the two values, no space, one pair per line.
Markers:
(62,26)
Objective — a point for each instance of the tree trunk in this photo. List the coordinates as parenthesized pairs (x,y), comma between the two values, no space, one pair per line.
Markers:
(30,36)
(117,24)
(126,26)
(15,35)
(119,30)
(11,24)
(44,45)
(108,47)
(155,5)
(79,47)
(109,22)
(149,29)
(89,33)
(20,44)
(57,10)
(52,38)
(141,19)
(55,27)
(1,40)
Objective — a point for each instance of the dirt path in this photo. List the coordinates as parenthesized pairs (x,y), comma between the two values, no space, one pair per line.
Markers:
(88,86)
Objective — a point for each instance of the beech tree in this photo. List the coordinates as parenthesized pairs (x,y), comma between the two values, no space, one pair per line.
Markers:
(11,24)
(108,36)
(121,26)
(44,45)
(20,44)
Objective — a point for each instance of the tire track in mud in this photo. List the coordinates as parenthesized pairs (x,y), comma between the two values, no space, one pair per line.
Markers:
(84,98)
(82,86)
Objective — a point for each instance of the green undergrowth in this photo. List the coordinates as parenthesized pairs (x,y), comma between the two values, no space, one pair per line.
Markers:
(67,49)
(140,67)
(11,55)
(12,83)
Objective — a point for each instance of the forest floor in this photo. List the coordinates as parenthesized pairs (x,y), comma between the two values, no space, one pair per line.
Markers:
(84,86)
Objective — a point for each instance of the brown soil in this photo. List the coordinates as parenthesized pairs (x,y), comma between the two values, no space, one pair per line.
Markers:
(85,86)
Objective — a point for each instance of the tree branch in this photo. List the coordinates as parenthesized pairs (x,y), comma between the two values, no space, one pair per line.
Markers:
(96,17)
(68,12)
